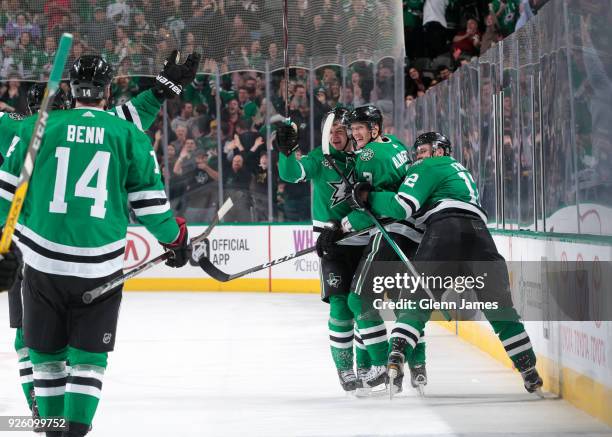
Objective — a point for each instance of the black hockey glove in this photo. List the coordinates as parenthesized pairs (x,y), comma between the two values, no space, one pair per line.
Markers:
(326,243)
(171,80)
(359,196)
(9,267)
(286,138)
(180,248)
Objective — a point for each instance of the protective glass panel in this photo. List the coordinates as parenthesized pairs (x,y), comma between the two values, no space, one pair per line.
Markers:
(591,67)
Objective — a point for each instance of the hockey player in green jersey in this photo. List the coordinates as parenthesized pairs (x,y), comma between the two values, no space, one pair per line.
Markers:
(338,262)
(89,165)
(440,193)
(380,162)
(141,110)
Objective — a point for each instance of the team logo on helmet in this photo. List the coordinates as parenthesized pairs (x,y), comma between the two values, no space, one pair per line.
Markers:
(366,154)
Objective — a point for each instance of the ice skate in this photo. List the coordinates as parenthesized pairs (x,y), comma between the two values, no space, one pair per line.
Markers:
(395,365)
(418,378)
(348,380)
(373,382)
(532,381)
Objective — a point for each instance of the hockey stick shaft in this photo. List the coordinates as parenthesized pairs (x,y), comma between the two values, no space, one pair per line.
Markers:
(222,276)
(90,295)
(39,130)
(286,53)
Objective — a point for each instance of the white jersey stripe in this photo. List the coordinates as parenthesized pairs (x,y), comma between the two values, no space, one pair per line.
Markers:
(9,178)
(149,210)
(146,195)
(70,250)
(6,195)
(134,114)
(83,389)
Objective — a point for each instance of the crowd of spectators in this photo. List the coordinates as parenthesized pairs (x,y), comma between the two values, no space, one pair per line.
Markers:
(135,35)
(442,35)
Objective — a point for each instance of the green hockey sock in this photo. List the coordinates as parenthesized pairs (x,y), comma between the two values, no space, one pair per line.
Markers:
(515,340)
(372,330)
(49,370)
(418,353)
(83,387)
(340,326)
(362,357)
(25,367)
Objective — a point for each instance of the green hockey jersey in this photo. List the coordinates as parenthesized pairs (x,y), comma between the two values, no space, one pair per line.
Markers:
(431,185)
(382,164)
(9,127)
(329,191)
(75,215)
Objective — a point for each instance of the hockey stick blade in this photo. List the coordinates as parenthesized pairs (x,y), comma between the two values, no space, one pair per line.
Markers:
(37,136)
(215,273)
(326,133)
(90,295)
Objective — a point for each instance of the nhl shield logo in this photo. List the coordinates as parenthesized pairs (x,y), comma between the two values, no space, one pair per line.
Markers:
(107,338)
(366,155)
(334,280)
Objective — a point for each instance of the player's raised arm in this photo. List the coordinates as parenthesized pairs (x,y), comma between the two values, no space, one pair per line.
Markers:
(290,168)
(142,109)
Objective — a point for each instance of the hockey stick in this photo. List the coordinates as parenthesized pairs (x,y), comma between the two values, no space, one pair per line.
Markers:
(39,130)
(221,276)
(286,55)
(90,295)
(327,127)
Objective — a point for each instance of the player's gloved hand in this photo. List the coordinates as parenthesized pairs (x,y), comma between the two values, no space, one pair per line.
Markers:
(286,138)
(180,248)
(9,267)
(326,243)
(171,80)
(359,196)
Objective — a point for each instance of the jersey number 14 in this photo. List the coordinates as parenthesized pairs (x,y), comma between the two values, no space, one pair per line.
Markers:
(97,166)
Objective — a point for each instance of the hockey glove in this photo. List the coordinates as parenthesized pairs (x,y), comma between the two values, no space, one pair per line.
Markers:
(359,196)
(326,243)
(171,80)
(286,138)
(180,248)
(9,266)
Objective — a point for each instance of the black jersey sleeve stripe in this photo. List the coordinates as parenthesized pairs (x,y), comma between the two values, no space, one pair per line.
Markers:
(7,187)
(144,203)
(126,113)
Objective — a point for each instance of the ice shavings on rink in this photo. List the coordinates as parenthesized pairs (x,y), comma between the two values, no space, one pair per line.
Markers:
(251,364)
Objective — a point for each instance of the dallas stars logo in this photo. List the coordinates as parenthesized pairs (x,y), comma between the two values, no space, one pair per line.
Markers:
(366,154)
(334,280)
(341,191)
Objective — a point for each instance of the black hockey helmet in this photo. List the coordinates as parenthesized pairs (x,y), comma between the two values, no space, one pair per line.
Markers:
(341,115)
(89,76)
(61,100)
(436,140)
(368,114)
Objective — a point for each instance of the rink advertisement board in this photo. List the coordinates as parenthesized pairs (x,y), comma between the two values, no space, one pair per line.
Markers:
(233,248)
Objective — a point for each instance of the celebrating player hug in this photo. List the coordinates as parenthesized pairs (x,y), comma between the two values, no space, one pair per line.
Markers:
(399,212)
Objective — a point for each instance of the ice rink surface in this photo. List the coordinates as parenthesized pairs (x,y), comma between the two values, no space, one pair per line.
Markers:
(253,364)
